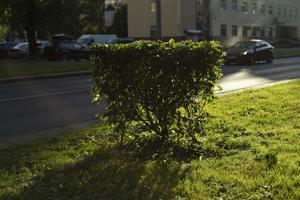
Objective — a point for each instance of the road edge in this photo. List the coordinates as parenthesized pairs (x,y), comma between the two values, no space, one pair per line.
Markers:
(46,76)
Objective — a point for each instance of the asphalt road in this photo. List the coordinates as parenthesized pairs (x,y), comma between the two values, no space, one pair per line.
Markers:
(50,105)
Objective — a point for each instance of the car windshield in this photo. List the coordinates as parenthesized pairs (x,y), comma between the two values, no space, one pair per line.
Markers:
(84,40)
(244,44)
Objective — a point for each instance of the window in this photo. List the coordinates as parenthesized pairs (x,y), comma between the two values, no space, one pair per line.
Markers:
(270,32)
(234,30)
(270,10)
(153,31)
(262,31)
(254,31)
(223,30)
(234,5)
(254,8)
(262,9)
(153,7)
(279,12)
(284,12)
(245,31)
(223,4)
(245,7)
(291,13)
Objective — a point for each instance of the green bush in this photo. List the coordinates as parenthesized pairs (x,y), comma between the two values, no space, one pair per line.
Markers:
(160,87)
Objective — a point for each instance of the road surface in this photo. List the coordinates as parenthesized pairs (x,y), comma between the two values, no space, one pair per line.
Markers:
(50,105)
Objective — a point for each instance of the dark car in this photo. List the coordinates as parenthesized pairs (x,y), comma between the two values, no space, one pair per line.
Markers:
(72,50)
(121,41)
(66,48)
(5,47)
(249,52)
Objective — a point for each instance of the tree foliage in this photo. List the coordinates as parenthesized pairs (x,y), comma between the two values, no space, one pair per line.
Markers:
(160,87)
(28,18)
(120,25)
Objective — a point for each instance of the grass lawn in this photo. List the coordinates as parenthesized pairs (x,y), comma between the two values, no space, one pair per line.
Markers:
(286,52)
(15,68)
(255,136)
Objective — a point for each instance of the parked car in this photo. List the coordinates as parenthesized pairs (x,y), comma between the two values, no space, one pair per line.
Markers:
(96,38)
(5,47)
(249,52)
(21,50)
(121,41)
(60,48)
(69,50)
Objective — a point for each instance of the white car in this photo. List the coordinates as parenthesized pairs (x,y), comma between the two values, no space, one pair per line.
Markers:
(21,50)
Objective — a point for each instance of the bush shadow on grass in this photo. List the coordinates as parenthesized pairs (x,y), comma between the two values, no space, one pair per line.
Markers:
(106,175)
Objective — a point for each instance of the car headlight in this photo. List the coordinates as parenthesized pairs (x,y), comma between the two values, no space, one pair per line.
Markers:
(245,53)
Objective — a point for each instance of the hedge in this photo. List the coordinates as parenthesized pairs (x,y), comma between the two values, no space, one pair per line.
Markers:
(161,87)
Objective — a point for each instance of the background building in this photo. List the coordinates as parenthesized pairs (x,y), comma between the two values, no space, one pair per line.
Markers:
(224,20)
(231,20)
(176,17)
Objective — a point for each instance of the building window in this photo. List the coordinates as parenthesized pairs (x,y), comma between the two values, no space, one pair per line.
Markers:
(262,9)
(270,10)
(153,7)
(153,31)
(262,32)
(270,32)
(223,4)
(234,30)
(254,8)
(284,12)
(223,30)
(234,5)
(279,12)
(254,31)
(245,31)
(245,7)
(291,14)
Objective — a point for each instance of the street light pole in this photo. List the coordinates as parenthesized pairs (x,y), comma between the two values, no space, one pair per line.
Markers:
(158,18)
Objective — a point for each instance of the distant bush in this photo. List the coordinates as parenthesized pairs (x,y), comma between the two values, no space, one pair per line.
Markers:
(160,87)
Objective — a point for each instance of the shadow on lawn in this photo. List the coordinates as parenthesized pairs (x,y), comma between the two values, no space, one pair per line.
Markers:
(106,175)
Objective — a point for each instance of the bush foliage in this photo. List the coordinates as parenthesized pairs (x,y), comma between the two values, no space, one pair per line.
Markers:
(160,87)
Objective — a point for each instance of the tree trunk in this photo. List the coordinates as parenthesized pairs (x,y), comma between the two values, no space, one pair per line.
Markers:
(30,26)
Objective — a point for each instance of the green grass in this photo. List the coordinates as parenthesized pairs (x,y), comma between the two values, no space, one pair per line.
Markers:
(11,68)
(256,134)
(286,52)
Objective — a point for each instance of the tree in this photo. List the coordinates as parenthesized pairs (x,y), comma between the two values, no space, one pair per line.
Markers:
(92,16)
(120,25)
(32,18)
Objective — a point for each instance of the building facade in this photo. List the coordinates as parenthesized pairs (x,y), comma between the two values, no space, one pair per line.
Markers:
(176,17)
(224,20)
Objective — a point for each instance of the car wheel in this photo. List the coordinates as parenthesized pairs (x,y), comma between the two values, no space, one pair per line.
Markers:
(65,57)
(226,63)
(270,58)
(251,60)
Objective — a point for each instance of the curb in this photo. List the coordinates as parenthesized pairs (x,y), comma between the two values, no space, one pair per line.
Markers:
(47,76)
(291,56)
(82,73)
(46,133)
(260,86)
